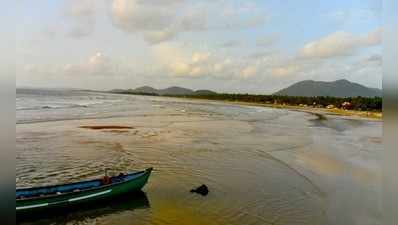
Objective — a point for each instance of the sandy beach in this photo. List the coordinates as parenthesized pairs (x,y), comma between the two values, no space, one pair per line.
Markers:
(342,113)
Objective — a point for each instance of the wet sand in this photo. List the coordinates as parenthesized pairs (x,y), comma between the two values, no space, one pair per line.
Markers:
(262,165)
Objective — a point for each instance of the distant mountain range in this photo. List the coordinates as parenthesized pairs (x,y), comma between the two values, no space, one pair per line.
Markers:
(307,88)
(338,88)
(167,91)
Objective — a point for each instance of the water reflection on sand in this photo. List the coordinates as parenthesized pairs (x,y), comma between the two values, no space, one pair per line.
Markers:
(262,166)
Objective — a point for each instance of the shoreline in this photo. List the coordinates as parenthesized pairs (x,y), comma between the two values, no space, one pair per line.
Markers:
(320,112)
(347,114)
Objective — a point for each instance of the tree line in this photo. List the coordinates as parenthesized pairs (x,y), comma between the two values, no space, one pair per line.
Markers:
(356,103)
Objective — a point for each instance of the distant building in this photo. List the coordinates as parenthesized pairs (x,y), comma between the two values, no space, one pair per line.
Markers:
(346,105)
(330,107)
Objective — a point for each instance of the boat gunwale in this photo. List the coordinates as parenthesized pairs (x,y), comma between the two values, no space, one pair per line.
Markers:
(21,200)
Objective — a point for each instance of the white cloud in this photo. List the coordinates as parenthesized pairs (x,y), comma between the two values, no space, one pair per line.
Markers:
(336,44)
(261,54)
(199,57)
(194,19)
(249,71)
(82,15)
(199,65)
(96,65)
(240,15)
(373,38)
(230,44)
(158,21)
(182,62)
(287,70)
(185,63)
(155,20)
(98,60)
(266,41)
(155,37)
(179,62)
(376,58)
(180,68)
(220,66)
(356,15)
(50,32)
(339,43)
(135,15)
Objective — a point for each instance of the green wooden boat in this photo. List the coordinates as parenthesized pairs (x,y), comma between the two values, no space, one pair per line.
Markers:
(55,196)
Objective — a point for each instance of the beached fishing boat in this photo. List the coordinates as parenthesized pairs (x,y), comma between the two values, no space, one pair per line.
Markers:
(50,197)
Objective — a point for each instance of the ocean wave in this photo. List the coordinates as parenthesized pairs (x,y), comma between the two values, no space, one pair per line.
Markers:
(52,107)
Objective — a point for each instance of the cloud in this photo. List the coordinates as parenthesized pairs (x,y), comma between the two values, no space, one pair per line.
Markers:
(199,65)
(359,68)
(194,19)
(230,44)
(50,31)
(236,22)
(261,54)
(221,66)
(179,61)
(337,15)
(375,60)
(339,43)
(353,15)
(249,71)
(266,41)
(241,15)
(364,15)
(200,57)
(98,60)
(159,21)
(155,37)
(80,31)
(287,70)
(184,63)
(133,15)
(155,20)
(82,16)
(180,68)
(373,38)
(80,8)
(96,65)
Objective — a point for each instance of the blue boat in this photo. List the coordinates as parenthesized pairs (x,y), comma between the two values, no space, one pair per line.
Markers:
(54,196)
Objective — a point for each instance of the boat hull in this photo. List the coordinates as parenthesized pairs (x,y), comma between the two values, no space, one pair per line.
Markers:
(87,196)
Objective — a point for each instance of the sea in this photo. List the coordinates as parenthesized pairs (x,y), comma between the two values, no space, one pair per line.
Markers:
(262,165)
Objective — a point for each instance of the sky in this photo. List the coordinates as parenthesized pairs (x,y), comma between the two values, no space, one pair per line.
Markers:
(223,45)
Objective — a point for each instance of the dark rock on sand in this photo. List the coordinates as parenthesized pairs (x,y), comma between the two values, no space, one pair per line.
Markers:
(202,190)
(105,127)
